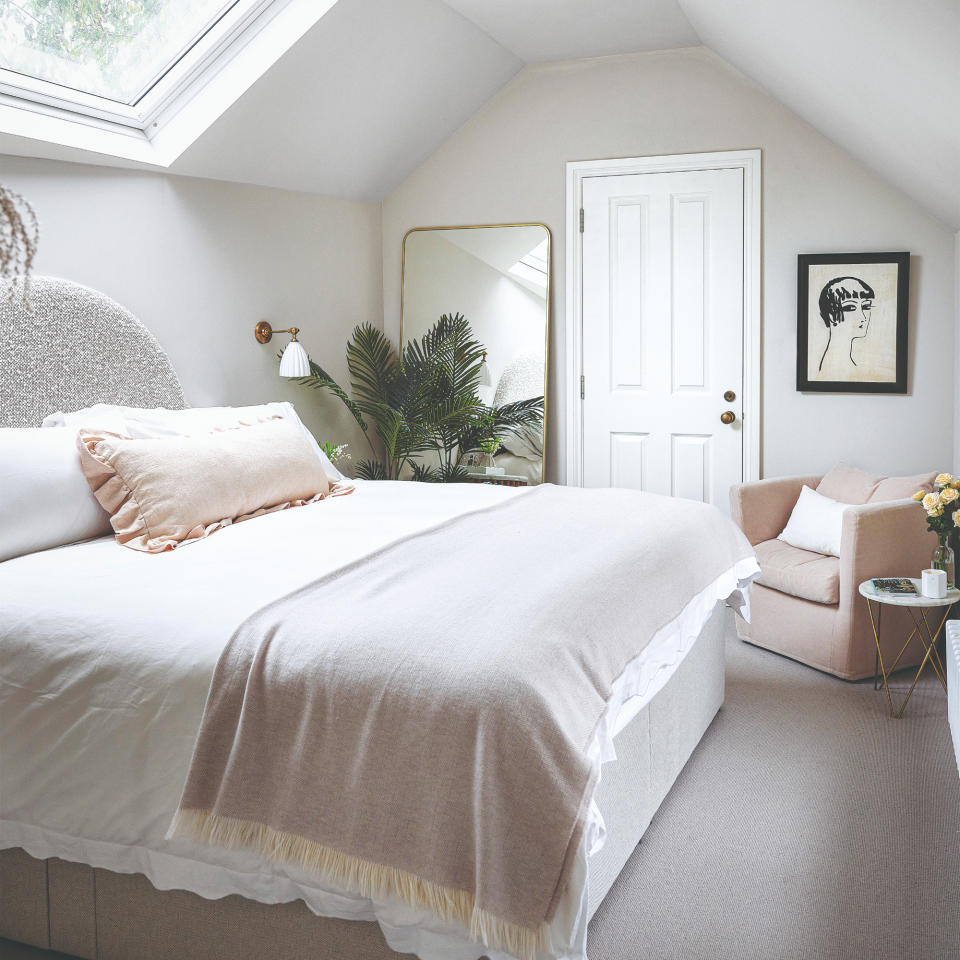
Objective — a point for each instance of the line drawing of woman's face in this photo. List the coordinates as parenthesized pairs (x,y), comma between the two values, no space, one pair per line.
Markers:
(845,305)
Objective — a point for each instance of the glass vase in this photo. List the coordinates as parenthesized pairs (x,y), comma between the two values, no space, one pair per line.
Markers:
(943,559)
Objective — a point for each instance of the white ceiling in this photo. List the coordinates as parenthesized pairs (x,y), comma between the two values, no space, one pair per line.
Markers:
(358,103)
(538,30)
(881,78)
(378,85)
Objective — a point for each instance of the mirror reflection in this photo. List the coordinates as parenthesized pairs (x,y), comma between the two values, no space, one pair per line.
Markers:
(498,277)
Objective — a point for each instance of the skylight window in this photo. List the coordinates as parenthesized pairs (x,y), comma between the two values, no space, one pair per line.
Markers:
(115,49)
(533,267)
(138,80)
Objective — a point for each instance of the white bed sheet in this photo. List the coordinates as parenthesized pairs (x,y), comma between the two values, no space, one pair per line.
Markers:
(106,655)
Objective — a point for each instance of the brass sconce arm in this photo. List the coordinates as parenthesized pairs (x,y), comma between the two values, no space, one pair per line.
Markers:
(264,332)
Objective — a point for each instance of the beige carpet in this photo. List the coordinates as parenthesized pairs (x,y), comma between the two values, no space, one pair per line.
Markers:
(808,825)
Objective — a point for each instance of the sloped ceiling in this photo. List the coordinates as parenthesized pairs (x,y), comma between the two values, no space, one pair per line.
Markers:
(498,248)
(539,30)
(881,78)
(378,85)
(358,103)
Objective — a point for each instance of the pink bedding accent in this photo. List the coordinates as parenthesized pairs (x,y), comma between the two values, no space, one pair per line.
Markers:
(163,492)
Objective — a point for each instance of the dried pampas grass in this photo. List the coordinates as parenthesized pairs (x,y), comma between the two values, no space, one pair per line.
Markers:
(19,236)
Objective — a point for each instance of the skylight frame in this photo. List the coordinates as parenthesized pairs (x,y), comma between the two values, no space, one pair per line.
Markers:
(157,95)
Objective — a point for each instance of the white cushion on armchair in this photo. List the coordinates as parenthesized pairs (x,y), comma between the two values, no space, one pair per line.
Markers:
(815,524)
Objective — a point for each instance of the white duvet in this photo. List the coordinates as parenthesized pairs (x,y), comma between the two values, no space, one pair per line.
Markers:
(106,655)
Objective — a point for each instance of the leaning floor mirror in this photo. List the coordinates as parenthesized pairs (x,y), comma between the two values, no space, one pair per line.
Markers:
(498,279)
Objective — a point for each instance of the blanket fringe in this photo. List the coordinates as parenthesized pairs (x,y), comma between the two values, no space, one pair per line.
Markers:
(363,877)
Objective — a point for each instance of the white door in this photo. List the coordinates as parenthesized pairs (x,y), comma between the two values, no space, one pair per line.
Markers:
(663,332)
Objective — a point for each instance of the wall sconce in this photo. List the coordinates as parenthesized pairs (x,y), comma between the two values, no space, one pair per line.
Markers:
(294,362)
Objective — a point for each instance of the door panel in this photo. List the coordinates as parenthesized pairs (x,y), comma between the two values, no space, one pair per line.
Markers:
(663,332)
(627,241)
(688,317)
(690,466)
(627,457)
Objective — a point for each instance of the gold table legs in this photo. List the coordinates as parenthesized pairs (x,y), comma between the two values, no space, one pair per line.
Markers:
(921,628)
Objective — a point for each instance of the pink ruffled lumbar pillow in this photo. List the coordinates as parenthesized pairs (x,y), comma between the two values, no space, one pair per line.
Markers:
(163,492)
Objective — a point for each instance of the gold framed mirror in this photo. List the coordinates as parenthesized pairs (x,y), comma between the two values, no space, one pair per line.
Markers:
(499,277)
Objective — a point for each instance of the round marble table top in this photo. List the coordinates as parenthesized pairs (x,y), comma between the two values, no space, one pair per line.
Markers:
(905,599)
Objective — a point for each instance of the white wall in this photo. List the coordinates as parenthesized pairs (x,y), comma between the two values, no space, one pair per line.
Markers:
(507,165)
(200,262)
(956,361)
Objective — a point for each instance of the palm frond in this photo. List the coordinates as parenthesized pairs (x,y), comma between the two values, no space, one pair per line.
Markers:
(375,368)
(453,473)
(500,422)
(424,473)
(519,413)
(371,470)
(319,379)
(422,399)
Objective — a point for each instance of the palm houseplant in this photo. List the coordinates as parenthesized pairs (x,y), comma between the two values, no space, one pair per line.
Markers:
(419,408)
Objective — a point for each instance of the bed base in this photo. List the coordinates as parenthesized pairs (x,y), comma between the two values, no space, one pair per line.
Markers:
(101,915)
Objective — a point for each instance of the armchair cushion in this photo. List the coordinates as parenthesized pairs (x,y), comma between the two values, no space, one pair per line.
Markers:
(850,485)
(801,573)
(902,488)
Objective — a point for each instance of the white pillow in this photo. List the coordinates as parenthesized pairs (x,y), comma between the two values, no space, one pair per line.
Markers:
(45,500)
(815,524)
(144,423)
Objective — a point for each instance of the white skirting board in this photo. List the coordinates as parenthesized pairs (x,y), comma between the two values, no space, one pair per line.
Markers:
(953,683)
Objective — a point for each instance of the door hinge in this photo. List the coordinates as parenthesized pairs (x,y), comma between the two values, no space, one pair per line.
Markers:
(582,380)
(581,219)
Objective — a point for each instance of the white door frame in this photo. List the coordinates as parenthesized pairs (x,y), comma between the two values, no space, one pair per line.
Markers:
(579,170)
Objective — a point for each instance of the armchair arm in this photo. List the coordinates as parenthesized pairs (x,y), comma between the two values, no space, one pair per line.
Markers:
(887,539)
(761,508)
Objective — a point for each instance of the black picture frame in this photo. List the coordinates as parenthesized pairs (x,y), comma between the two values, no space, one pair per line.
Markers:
(843,262)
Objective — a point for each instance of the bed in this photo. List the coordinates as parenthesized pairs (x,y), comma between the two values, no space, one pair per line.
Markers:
(100,705)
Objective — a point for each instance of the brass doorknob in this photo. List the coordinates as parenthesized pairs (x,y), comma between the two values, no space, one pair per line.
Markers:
(728,416)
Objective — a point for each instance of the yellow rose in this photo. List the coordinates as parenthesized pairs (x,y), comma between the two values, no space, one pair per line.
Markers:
(931,502)
(919,495)
(956,484)
(935,512)
(948,495)
(943,479)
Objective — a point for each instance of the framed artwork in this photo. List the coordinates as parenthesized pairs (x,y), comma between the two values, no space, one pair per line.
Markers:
(852,322)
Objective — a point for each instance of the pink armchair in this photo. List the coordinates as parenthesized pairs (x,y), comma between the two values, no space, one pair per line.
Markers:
(806,605)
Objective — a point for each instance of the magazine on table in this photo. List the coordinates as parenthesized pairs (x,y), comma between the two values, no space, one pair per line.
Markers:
(894,586)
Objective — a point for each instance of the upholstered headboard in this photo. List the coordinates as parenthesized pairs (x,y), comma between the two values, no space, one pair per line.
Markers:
(75,347)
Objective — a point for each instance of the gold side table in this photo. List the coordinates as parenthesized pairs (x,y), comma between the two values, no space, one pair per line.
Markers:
(918,604)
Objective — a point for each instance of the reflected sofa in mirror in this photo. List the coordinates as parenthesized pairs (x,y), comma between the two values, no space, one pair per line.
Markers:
(498,277)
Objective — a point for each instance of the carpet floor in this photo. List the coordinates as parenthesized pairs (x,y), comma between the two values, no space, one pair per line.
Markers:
(808,825)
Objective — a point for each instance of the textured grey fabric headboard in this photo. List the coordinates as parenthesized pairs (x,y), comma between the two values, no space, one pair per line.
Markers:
(75,347)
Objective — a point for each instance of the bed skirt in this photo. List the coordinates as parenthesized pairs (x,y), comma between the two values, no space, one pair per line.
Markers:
(102,915)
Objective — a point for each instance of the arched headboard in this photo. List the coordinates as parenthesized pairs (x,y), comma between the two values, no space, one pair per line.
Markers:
(75,347)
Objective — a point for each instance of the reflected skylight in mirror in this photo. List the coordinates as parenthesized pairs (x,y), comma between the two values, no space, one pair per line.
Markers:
(116,49)
(533,266)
